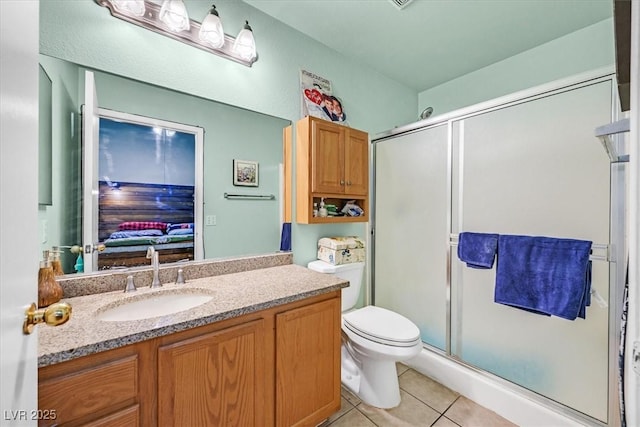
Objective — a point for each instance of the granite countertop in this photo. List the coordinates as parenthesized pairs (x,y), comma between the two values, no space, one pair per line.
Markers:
(233,295)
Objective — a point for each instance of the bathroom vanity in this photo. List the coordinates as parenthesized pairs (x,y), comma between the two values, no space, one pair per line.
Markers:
(263,351)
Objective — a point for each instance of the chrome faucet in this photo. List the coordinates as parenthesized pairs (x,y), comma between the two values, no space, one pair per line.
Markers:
(130,285)
(180,278)
(153,255)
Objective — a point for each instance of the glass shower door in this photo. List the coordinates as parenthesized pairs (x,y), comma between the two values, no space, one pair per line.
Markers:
(541,177)
(412,199)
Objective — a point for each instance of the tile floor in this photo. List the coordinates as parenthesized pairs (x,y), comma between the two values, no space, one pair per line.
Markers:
(424,403)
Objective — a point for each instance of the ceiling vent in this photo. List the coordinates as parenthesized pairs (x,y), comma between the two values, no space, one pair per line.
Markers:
(400,4)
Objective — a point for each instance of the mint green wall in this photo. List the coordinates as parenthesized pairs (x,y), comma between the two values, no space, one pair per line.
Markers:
(584,50)
(59,224)
(85,33)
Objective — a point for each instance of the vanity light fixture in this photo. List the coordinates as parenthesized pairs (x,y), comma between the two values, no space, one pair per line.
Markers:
(172,20)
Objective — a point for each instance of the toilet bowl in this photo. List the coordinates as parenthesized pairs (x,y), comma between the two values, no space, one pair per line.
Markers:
(373,340)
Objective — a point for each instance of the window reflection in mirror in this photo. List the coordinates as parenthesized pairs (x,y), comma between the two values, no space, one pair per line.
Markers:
(147,180)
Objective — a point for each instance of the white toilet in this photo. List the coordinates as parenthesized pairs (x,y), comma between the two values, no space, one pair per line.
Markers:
(373,340)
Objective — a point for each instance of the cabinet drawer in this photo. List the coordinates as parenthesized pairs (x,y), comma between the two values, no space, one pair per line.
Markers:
(129,417)
(90,391)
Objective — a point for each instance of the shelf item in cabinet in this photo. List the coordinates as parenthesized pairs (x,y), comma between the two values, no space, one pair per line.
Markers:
(336,208)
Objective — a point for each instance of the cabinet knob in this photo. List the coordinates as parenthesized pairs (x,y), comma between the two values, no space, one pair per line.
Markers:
(348,182)
(342,182)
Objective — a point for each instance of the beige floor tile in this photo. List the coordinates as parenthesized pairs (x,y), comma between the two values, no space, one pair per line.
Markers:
(469,414)
(411,412)
(401,368)
(345,407)
(444,422)
(353,418)
(351,398)
(430,392)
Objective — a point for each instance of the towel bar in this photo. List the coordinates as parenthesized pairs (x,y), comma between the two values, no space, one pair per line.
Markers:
(249,196)
(599,252)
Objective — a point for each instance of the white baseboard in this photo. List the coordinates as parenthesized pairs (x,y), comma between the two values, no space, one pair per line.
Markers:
(489,393)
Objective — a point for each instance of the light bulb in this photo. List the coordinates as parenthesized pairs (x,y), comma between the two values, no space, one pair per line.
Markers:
(133,7)
(174,14)
(211,30)
(245,44)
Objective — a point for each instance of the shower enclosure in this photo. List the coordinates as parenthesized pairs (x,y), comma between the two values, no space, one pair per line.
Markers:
(526,164)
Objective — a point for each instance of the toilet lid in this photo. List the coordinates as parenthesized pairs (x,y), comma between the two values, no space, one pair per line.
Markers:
(383,326)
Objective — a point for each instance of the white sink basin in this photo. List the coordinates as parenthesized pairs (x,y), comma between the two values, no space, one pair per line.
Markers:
(146,307)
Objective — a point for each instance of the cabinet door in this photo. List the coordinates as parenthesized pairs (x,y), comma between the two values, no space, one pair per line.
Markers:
(217,379)
(327,154)
(308,364)
(357,163)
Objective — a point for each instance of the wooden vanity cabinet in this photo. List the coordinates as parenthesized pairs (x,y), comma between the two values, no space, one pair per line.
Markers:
(275,367)
(332,162)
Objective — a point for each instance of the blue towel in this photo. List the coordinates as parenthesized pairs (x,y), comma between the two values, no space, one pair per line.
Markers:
(544,275)
(285,237)
(478,250)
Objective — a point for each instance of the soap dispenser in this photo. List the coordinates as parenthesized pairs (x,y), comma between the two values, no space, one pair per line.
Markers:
(322,212)
(49,291)
(56,265)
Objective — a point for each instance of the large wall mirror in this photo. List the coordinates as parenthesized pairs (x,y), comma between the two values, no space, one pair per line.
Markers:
(147,173)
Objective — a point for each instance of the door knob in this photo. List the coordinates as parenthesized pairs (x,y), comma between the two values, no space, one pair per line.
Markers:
(54,315)
(93,248)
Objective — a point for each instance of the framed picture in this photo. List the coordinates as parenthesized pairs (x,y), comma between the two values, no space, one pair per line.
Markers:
(245,173)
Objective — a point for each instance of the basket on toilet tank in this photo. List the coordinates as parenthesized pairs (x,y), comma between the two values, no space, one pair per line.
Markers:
(341,250)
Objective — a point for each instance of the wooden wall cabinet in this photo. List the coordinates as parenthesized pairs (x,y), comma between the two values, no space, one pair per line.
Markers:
(332,162)
(276,367)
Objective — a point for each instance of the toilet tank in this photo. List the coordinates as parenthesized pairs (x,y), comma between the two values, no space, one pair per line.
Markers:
(351,272)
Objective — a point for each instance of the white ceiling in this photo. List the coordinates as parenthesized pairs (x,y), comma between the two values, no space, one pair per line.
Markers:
(430,42)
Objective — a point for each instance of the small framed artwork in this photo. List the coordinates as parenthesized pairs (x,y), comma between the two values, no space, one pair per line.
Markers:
(245,173)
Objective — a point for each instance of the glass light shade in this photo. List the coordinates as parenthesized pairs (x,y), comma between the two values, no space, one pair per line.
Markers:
(133,7)
(174,14)
(211,30)
(245,44)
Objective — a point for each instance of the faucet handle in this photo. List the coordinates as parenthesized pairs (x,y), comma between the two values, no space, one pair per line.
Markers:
(130,285)
(180,279)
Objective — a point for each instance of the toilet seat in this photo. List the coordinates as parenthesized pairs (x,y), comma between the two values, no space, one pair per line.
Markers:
(382,326)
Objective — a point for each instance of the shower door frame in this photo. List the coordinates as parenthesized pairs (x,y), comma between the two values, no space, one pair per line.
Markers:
(616,246)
